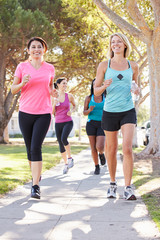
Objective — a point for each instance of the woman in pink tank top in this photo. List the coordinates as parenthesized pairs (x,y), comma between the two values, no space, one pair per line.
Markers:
(63,120)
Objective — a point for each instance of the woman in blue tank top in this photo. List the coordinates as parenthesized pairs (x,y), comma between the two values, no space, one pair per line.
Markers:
(93,107)
(116,76)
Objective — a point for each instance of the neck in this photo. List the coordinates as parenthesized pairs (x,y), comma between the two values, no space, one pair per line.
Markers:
(36,62)
(61,92)
(118,58)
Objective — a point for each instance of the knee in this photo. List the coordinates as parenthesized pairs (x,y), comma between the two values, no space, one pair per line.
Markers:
(93,149)
(36,153)
(64,141)
(111,149)
(127,150)
(100,148)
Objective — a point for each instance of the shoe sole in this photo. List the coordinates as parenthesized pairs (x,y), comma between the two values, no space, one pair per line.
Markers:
(65,172)
(111,197)
(70,166)
(132,197)
(35,196)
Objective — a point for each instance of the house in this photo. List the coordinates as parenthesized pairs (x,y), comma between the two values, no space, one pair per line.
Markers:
(13,126)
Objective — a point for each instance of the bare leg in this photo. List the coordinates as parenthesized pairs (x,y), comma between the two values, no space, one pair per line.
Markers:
(36,168)
(111,144)
(92,140)
(29,163)
(100,144)
(68,150)
(127,133)
(64,156)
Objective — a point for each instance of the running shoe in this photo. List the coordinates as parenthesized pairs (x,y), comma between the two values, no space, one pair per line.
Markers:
(97,170)
(35,192)
(112,190)
(129,193)
(70,162)
(65,170)
(102,159)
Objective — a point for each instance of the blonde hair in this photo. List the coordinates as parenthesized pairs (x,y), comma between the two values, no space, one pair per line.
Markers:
(125,40)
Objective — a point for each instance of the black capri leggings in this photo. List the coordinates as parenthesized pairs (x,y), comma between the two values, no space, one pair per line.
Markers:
(34,128)
(62,132)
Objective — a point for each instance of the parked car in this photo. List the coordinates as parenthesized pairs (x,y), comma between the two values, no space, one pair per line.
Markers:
(146,132)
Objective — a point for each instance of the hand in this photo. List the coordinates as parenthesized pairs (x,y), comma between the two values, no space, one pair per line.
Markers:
(54,93)
(91,108)
(137,91)
(25,79)
(56,102)
(107,82)
(69,113)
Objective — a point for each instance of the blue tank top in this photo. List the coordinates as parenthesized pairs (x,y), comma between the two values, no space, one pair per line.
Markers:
(97,112)
(119,98)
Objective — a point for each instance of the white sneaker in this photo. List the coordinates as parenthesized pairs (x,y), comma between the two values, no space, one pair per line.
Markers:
(70,162)
(129,193)
(65,170)
(112,190)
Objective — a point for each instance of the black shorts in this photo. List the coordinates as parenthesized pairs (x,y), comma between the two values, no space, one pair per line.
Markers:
(113,121)
(93,128)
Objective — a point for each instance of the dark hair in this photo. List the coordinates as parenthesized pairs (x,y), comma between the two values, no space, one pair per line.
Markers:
(41,40)
(59,80)
(92,90)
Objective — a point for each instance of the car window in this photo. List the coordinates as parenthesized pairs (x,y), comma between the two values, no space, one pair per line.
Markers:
(148,125)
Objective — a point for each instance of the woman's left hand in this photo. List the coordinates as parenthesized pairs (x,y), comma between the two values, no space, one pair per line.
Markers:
(69,113)
(137,91)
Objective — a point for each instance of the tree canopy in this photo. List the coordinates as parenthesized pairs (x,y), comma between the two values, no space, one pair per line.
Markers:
(77,35)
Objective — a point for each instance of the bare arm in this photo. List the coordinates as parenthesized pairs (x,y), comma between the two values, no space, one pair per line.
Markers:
(100,86)
(86,109)
(52,90)
(72,101)
(17,84)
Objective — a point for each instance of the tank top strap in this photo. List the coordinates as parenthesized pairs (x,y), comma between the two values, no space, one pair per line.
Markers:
(92,98)
(109,63)
(66,97)
(129,64)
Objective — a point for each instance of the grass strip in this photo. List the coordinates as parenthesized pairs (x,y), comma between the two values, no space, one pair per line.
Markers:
(14,168)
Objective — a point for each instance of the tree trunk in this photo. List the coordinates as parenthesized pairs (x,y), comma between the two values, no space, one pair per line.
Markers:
(153,148)
(6,135)
(2,112)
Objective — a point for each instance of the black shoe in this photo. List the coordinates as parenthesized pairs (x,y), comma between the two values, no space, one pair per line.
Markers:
(97,170)
(102,159)
(35,192)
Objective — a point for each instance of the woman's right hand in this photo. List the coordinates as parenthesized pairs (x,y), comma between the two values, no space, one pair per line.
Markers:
(91,108)
(25,79)
(107,82)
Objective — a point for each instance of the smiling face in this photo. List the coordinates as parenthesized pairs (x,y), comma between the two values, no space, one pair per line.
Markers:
(36,49)
(117,45)
(62,86)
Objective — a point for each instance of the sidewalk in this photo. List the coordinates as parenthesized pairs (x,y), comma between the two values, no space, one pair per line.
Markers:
(75,207)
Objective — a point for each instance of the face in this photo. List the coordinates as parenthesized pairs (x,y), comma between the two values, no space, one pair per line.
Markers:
(117,45)
(36,49)
(63,85)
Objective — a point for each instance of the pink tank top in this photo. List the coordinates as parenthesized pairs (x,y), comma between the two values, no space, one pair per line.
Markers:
(61,111)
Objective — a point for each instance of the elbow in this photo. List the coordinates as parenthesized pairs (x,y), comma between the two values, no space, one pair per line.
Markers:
(96,92)
(12,91)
